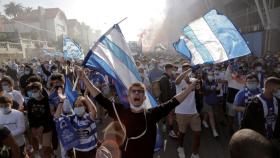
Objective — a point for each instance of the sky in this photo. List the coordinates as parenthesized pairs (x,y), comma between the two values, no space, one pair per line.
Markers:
(102,14)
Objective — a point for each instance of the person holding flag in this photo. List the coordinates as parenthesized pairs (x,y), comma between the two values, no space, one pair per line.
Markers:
(138,123)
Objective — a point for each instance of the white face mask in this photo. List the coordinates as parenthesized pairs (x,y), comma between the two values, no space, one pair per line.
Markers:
(6,88)
(26,72)
(210,78)
(251,86)
(5,110)
(80,111)
(137,108)
(36,95)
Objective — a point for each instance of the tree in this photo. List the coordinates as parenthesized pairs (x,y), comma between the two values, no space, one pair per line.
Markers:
(12,9)
(27,11)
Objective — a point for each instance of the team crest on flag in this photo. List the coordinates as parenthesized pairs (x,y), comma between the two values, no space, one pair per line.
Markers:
(211,39)
(71,49)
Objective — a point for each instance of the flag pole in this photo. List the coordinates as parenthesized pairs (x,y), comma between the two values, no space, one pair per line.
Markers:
(96,43)
(121,21)
(110,29)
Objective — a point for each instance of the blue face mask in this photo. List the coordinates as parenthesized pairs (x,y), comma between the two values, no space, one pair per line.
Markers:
(5,110)
(252,86)
(29,94)
(6,88)
(80,111)
(36,95)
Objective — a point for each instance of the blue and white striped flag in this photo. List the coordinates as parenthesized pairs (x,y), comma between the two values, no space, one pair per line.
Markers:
(112,56)
(211,39)
(71,94)
(71,49)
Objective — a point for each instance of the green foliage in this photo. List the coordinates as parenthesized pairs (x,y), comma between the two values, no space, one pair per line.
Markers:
(12,9)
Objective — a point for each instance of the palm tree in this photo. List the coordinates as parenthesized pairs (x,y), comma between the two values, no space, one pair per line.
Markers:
(27,11)
(12,9)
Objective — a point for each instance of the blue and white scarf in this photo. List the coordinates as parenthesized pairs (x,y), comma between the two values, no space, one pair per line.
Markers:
(270,115)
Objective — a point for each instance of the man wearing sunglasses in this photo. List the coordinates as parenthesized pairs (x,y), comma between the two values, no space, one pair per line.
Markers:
(138,122)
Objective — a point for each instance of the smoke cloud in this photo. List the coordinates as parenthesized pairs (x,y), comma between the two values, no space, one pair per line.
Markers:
(177,14)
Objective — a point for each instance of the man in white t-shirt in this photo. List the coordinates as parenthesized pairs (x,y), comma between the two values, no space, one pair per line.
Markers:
(236,82)
(14,120)
(187,115)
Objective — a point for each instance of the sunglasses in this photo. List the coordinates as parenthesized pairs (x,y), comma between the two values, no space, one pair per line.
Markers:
(140,91)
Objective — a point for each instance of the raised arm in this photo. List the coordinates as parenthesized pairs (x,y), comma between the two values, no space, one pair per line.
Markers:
(182,95)
(97,95)
(94,91)
(91,107)
(164,109)
(182,76)
(58,111)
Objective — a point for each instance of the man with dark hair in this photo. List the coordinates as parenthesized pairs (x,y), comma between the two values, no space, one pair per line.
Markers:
(247,143)
(168,90)
(245,96)
(40,118)
(28,72)
(56,81)
(187,114)
(262,114)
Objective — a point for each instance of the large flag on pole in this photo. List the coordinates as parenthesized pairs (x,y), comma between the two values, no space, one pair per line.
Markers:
(211,39)
(112,56)
(71,49)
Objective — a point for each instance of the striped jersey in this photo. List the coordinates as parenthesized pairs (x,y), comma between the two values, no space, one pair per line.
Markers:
(86,131)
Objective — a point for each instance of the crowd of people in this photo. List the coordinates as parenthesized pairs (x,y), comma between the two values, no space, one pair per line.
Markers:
(38,120)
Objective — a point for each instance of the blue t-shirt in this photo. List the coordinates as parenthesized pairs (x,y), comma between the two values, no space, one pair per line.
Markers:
(210,93)
(240,97)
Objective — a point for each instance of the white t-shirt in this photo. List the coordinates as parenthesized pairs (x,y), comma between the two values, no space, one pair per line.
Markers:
(232,83)
(15,122)
(188,106)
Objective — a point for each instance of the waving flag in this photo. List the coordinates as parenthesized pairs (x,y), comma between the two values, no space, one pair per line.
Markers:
(111,55)
(71,49)
(211,39)
(70,94)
